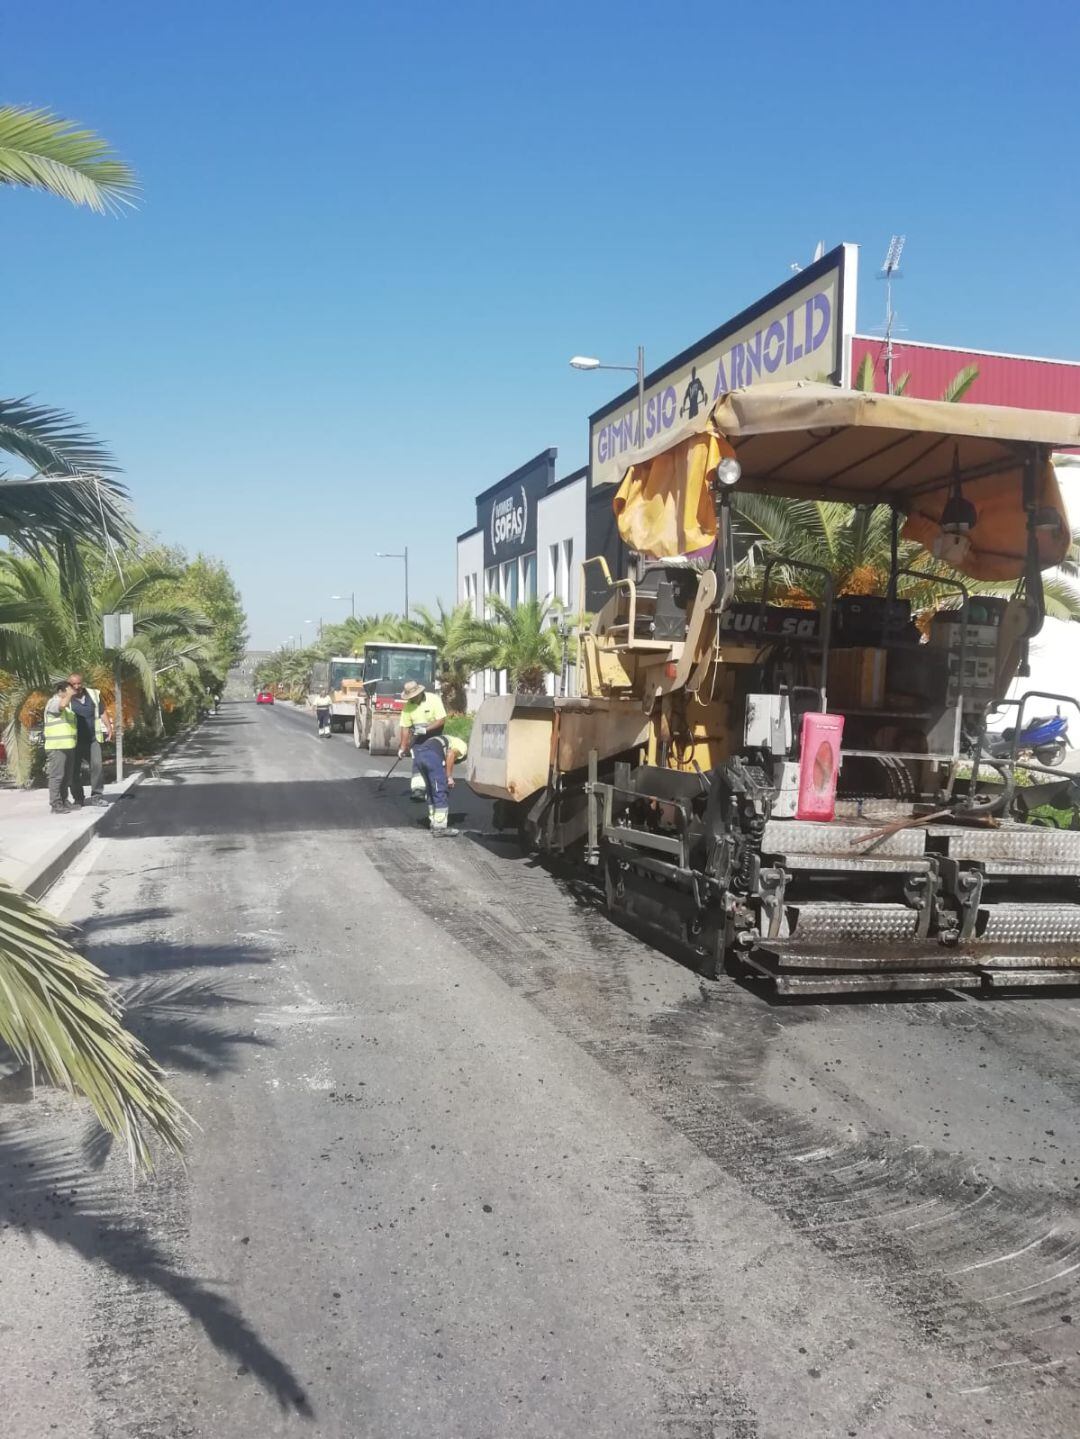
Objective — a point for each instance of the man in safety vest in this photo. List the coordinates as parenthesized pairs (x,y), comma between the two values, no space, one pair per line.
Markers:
(94,727)
(422,720)
(61,736)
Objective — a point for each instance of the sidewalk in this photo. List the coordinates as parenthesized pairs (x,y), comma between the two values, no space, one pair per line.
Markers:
(36,846)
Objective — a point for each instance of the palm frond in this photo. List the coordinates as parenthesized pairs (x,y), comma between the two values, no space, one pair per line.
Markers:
(51,441)
(960,384)
(864,375)
(41,151)
(56,1011)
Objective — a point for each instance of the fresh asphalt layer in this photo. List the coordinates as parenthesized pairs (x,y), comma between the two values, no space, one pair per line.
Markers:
(468,1160)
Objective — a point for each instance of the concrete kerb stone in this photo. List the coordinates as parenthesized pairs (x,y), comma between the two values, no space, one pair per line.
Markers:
(55,861)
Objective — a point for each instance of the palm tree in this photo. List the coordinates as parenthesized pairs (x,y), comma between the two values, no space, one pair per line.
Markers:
(521,641)
(71,492)
(853,543)
(44,152)
(56,1010)
(40,151)
(288,672)
(462,643)
(66,633)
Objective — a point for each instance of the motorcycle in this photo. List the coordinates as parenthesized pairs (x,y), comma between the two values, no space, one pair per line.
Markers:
(1045,740)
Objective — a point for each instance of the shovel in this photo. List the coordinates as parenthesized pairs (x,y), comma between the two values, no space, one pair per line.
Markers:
(389,772)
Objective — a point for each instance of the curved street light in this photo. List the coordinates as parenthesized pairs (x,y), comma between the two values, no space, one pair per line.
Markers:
(587,362)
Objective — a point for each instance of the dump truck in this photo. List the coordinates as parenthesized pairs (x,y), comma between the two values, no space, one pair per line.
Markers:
(385,670)
(344,675)
(790,783)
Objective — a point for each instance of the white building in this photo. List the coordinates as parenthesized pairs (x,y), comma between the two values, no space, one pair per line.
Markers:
(528,542)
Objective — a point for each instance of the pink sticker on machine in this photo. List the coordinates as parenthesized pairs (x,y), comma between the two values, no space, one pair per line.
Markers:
(819,765)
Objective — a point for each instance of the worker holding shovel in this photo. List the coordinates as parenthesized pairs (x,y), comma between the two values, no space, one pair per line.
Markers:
(422,719)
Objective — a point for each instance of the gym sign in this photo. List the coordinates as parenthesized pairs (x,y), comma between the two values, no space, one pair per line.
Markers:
(800,331)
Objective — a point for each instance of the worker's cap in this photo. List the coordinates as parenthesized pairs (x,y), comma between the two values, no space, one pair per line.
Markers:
(412,690)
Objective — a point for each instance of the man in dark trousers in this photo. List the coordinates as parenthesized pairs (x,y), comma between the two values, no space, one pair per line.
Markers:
(422,718)
(60,740)
(94,727)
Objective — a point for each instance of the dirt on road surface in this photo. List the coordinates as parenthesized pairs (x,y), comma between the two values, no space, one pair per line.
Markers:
(472,1161)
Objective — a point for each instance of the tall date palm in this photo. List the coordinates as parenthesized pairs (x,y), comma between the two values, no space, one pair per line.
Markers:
(57,1012)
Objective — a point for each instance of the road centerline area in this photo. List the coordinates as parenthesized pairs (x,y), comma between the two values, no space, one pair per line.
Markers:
(471,1160)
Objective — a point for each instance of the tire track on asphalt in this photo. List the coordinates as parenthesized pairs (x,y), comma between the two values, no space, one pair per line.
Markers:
(987,1273)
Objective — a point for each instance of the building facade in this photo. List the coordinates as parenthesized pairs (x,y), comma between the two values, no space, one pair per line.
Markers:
(533,533)
(528,543)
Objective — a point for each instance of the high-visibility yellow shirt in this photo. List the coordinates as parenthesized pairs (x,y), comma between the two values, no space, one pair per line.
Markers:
(460,748)
(61,727)
(427,710)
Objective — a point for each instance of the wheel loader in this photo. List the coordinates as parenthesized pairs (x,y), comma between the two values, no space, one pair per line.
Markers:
(794,783)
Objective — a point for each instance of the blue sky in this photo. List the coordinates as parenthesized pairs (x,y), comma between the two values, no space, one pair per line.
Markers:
(372,236)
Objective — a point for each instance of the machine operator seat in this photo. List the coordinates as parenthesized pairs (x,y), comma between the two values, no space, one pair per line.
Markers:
(665,595)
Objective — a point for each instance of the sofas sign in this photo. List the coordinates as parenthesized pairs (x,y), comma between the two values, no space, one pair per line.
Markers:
(507,511)
(509,521)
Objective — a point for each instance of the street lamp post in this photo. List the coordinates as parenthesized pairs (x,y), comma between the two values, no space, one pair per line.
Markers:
(586,362)
(403,555)
(352,601)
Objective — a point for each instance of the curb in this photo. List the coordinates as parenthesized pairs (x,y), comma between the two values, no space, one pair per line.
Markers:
(55,861)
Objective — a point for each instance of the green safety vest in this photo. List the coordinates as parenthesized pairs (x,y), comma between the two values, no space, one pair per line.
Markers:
(61,730)
(99,723)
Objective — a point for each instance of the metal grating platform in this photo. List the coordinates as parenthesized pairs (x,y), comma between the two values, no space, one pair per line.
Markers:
(845,923)
(1029,924)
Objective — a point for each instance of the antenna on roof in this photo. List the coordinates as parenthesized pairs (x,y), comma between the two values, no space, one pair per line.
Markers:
(889,272)
(819,250)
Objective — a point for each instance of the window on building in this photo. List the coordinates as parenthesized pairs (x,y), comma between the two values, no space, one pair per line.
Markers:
(491,587)
(567,594)
(510,583)
(553,572)
(528,577)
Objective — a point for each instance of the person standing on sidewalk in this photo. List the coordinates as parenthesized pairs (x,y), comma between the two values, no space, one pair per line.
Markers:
(94,727)
(61,736)
(422,718)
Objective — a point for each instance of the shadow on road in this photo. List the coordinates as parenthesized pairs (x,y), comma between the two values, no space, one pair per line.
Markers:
(44,1187)
(44,1192)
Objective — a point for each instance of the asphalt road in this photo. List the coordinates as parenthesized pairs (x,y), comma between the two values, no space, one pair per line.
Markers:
(470,1161)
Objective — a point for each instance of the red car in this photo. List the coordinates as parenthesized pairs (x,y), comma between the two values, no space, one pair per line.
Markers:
(265,697)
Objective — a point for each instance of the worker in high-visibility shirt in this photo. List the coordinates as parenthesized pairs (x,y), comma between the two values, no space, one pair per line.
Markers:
(61,737)
(323,704)
(422,719)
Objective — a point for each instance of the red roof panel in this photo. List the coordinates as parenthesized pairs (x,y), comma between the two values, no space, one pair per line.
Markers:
(1022,380)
